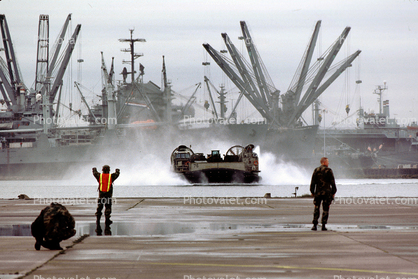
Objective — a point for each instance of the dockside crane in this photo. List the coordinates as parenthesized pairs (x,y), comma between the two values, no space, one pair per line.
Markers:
(48,71)
(254,82)
(10,80)
(45,78)
(42,54)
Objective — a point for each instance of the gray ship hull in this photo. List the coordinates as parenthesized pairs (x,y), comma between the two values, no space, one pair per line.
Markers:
(43,160)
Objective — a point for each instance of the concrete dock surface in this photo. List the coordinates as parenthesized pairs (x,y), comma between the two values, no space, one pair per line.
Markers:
(218,238)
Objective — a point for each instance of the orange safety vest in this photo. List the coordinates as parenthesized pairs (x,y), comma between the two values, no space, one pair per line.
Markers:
(105,182)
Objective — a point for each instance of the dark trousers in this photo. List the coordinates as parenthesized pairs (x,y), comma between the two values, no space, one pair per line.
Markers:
(326,202)
(104,200)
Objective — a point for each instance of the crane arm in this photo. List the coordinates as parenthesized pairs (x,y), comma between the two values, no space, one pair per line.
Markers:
(237,81)
(84,100)
(64,64)
(307,61)
(256,63)
(105,73)
(319,76)
(57,45)
(328,82)
(10,85)
(207,81)
(191,99)
(242,69)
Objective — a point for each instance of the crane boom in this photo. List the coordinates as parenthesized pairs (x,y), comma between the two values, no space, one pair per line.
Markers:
(11,83)
(242,69)
(256,62)
(55,54)
(58,45)
(307,61)
(207,81)
(310,92)
(64,64)
(42,54)
(238,81)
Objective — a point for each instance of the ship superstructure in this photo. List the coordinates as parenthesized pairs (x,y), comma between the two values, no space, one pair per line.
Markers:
(377,146)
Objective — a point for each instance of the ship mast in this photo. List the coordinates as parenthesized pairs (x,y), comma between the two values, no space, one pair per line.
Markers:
(131,50)
(379,91)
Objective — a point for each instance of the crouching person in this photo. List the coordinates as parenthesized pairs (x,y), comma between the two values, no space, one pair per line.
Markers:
(53,225)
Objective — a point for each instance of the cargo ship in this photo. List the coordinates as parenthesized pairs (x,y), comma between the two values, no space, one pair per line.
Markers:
(132,113)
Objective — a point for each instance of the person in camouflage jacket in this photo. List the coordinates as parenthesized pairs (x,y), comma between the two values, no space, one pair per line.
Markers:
(53,225)
(323,190)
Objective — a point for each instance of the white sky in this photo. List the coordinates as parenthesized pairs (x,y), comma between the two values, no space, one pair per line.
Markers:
(386,31)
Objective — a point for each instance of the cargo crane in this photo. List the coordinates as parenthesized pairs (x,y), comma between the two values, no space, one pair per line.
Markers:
(254,82)
(11,85)
(49,75)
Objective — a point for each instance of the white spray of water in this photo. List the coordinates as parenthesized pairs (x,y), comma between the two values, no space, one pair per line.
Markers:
(274,171)
(150,170)
(154,169)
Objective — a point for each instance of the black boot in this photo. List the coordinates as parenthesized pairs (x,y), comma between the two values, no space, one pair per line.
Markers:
(108,230)
(38,243)
(314,227)
(324,228)
(108,222)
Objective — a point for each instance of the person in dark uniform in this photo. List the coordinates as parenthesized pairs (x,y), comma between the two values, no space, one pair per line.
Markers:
(105,180)
(323,190)
(53,225)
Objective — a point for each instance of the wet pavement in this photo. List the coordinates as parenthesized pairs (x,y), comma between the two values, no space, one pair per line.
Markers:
(217,238)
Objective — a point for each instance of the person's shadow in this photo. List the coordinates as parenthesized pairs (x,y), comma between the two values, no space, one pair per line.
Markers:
(107,230)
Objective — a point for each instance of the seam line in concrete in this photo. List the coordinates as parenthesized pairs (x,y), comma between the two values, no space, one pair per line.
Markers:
(375,247)
(136,204)
(78,240)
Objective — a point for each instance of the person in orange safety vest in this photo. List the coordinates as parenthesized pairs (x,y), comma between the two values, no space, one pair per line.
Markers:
(105,189)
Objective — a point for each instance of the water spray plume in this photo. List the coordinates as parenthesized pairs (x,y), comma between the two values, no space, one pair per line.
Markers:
(275,171)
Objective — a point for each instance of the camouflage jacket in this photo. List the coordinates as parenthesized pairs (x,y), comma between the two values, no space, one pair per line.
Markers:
(323,182)
(59,223)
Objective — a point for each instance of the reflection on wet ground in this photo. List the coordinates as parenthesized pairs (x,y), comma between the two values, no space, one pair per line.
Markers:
(167,229)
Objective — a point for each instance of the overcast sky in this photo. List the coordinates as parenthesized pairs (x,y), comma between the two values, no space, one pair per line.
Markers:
(386,31)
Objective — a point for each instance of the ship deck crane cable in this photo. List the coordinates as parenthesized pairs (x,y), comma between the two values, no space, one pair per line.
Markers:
(77,85)
(187,98)
(191,100)
(208,85)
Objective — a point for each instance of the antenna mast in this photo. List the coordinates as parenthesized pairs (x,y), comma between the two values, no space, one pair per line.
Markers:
(131,50)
